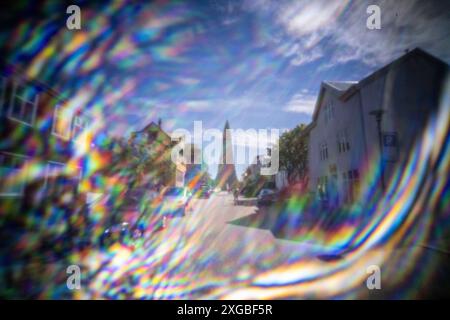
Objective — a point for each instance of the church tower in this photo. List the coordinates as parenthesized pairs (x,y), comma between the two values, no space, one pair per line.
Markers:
(226,174)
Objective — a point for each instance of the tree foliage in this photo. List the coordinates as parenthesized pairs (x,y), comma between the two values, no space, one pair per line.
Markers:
(293,152)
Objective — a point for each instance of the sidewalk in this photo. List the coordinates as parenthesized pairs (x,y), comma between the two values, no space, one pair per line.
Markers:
(247,201)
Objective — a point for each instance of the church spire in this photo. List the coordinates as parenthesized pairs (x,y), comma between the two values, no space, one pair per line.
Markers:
(226,175)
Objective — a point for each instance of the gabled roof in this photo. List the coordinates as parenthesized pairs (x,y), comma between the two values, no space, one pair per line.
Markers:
(380,72)
(153,127)
(341,85)
(346,89)
(338,88)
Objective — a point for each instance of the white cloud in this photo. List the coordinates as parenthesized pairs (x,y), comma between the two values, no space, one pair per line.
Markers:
(338,28)
(201,105)
(301,103)
(196,105)
(308,17)
(404,25)
(306,57)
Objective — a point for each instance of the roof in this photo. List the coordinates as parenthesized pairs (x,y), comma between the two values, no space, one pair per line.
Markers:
(341,85)
(346,89)
(380,72)
(153,127)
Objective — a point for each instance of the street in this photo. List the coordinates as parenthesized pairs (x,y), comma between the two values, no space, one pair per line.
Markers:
(200,255)
(205,255)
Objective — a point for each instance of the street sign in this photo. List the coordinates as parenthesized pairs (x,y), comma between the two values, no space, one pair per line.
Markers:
(390,139)
(390,146)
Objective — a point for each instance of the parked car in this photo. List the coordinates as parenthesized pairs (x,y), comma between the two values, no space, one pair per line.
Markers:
(136,214)
(203,192)
(267,197)
(116,233)
(174,202)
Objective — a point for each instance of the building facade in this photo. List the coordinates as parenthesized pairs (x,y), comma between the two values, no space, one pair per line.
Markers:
(40,133)
(352,121)
(158,145)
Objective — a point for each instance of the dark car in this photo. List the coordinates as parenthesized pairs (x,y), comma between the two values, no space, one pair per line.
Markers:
(118,233)
(203,192)
(135,217)
(267,197)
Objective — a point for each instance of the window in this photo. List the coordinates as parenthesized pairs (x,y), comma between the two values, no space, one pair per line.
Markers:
(329,111)
(343,143)
(323,151)
(23,104)
(152,136)
(322,187)
(55,179)
(351,184)
(10,166)
(60,185)
(61,122)
(79,126)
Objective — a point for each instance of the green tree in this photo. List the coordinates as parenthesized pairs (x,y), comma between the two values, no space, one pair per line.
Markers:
(293,152)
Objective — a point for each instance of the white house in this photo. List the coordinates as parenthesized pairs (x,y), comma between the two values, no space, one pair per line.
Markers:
(344,137)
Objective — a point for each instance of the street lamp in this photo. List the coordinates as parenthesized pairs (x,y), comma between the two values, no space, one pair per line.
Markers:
(378,114)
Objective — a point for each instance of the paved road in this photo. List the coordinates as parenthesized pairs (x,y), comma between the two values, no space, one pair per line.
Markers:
(202,255)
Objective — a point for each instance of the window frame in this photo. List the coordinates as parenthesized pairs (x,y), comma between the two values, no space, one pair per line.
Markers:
(78,177)
(74,136)
(329,111)
(47,170)
(22,189)
(343,142)
(323,147)
(23,100)
(322,185)
(351,184)
(68,134)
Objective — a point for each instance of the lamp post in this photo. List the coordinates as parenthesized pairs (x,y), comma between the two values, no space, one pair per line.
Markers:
(378,114)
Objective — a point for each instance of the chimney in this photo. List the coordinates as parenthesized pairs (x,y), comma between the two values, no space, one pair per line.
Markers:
(159,122)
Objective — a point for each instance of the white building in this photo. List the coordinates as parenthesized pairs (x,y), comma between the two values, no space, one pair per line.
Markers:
(344,137)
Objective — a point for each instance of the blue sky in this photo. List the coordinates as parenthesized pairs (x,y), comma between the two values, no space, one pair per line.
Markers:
(256,63)
(259,63)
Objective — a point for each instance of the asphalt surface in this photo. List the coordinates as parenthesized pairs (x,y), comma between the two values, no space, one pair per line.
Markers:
(201,255)
(207,255)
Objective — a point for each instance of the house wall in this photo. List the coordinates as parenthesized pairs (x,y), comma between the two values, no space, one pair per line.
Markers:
(346,120)
(32,140)
(159,145)
(409,93)
(42,189)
